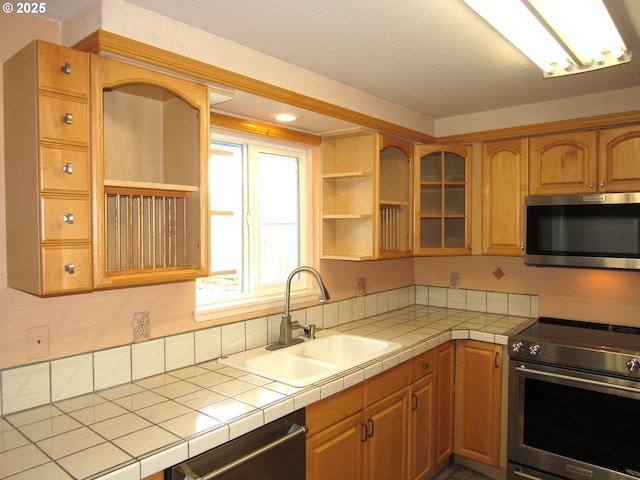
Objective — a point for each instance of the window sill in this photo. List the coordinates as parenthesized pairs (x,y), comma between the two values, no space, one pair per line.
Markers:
(246,306)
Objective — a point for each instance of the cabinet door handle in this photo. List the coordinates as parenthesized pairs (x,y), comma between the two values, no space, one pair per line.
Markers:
(425,365)
(414,399)
(70,268)
(372,424)
(68,168)
(497,360)
(68,218)
(66,68)
(67,118)
(365,432)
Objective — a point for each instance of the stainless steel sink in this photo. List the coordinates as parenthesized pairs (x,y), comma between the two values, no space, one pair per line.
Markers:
(311,361)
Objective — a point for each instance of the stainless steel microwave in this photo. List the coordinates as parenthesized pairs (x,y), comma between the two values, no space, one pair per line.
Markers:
(596,230)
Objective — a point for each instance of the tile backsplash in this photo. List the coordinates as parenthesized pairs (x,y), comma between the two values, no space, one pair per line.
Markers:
(42,383)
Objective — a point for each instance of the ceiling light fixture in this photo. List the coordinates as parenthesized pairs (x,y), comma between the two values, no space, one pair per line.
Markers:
(561,37)
(286,117)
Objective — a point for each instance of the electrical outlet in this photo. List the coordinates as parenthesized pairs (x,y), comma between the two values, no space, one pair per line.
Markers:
(454,282)
(361,287)
(38,342)
(141,327)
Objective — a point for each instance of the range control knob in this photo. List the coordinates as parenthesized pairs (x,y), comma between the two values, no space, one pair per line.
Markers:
(534,349)
(517,347)
(633,365)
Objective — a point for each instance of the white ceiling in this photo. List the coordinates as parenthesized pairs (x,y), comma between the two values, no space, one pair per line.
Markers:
(435,57)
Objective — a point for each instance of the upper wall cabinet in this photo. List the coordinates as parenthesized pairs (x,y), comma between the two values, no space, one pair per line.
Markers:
(366,196)
(395,197)
(585,162)
(47,167)
(150,135)
(443,200)
(619,159)
(504,188)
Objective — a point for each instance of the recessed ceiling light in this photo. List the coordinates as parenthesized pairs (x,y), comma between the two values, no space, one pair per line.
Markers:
(286,117)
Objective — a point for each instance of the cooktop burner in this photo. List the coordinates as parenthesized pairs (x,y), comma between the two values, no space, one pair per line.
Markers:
(582,345)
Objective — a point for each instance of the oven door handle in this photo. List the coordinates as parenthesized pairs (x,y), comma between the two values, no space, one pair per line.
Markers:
(519,473)
(524,369)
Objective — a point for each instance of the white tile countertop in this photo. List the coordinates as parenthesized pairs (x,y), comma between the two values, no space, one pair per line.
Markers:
(134,430)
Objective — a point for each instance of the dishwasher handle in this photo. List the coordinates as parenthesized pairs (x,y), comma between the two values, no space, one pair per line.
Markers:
(248,457)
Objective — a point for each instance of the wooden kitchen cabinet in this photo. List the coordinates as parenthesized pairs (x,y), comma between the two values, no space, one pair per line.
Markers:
(444,403)
(366,196)
(47,165)
(618,154)
(442,177)
(478,393)
(392,426)
(422,416)
(150,135)
(563,163)
(369,443)
(395,197)
(585,162)
(505,185)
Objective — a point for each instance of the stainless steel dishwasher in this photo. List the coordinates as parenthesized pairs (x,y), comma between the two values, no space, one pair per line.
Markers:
(275,451)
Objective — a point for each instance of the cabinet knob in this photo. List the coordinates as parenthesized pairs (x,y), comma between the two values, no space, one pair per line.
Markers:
(66,68)
(67,118)
(68,168)
(70,268)
(522,247)
(68,218)
(592,185)
(601,183)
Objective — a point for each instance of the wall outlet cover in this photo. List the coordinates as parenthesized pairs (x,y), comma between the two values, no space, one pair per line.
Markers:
(454,282)
(38,342)
(141,327)
(361,287)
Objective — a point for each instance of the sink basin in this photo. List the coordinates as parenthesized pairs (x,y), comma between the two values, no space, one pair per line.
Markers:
(311,361)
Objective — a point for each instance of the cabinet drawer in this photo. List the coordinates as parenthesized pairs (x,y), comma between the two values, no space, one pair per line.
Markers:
(64,169)
(63,119)
(65,219)
(386,383)
(66,269)
(422,365)
(63,70)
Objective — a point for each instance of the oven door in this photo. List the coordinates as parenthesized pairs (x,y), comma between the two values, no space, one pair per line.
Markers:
(573,424)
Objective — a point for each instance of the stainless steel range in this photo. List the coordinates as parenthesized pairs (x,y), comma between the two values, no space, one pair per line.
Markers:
(574,402)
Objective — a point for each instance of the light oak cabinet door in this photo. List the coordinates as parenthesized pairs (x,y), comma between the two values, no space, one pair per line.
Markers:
(619,159)
(563,163)
(442,178)
(444,402)
(388,434)
(47,166)
(422,416)
(505,186)
(336,452)
(478,401)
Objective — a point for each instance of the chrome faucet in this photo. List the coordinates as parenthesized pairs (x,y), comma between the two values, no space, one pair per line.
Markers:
(286,327)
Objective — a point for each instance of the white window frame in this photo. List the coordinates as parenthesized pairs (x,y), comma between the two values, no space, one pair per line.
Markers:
(302,289)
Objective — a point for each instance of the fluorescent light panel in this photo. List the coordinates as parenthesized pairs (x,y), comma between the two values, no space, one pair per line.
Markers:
(560,36)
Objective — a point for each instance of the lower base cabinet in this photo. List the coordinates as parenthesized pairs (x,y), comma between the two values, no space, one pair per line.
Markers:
(387,427)
(478,401)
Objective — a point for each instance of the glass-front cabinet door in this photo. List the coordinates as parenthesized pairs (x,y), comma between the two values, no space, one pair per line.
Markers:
(443,200)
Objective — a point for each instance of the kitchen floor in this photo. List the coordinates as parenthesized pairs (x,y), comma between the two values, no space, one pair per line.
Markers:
(458,472)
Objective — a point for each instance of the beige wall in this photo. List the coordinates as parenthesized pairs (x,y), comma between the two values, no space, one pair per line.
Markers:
(87,322)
